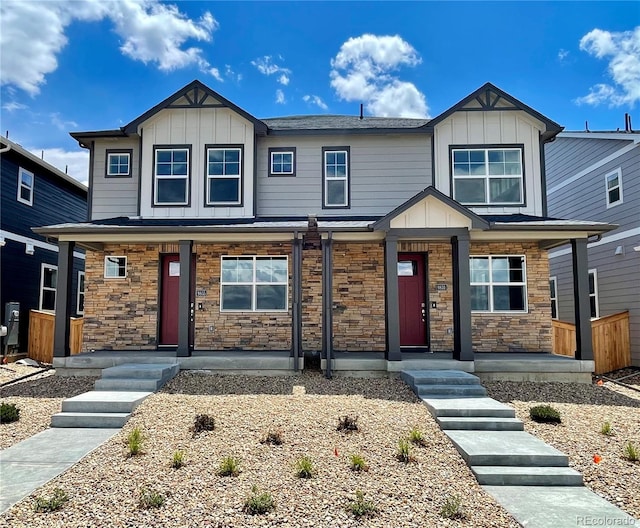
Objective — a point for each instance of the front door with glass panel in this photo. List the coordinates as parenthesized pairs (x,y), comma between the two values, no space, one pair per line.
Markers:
(169,295)
(412,293)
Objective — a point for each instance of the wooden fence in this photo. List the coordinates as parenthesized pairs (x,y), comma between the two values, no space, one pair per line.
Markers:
(41,325)
(611,341)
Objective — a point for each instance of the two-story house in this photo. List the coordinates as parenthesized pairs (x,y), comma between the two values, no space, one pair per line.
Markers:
(35,193)
(597,175)
(398,239)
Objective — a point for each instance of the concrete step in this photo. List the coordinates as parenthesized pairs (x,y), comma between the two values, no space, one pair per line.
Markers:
(479,423)
(527,476)
(462,391)
(142,370)
(438,377)
(505,448)
(105,402)
(92,420)
(487,407)
(128,384)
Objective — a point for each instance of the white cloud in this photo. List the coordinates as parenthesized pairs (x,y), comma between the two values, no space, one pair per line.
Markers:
(215,73)
(283,79)
(266,66)
(229,73)
(280,99)
(315,100)
(32,34)
(12,106)
(622,50)
(363,71)
(562,54)
(76,162)
(60,123)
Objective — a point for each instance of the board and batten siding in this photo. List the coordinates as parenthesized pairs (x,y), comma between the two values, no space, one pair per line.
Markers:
(113,197)
(492,128)
(386,171)
(197,127)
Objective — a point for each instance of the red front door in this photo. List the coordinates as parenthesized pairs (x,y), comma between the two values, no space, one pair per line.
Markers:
(169,306)
(412,296)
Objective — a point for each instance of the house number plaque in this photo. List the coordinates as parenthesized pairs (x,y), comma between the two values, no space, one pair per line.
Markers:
(441,287)
(201,293)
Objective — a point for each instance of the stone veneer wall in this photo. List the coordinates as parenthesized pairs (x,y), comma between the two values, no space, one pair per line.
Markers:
(311,300)
(238,330)
(121,314)
(517,332)
(358,297)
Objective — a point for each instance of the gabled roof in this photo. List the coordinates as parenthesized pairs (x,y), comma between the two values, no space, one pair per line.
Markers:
(489,97)
(476,221)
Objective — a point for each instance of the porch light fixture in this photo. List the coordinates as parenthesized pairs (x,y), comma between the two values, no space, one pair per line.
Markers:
(29,249)
(619,250)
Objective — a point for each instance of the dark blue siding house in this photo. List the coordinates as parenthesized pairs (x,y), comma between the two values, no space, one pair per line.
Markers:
(34,193)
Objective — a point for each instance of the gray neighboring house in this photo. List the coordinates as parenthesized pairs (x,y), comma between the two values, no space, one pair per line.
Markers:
(596,175)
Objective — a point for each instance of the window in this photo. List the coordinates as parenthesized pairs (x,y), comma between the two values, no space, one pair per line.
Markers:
(613,181)
(224,171)
(171,176)
(26,180)
(488,176)
(335,173)
(553,293)
(282,161)
(118,163)
(593,294)
(257,284)
(498,284)
(48,285)
(80,303)
(115,267)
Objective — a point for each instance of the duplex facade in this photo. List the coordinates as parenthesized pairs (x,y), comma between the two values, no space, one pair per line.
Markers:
(211,230)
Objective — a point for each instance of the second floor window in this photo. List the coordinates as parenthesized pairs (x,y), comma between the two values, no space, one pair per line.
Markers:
(25,186)
(171,176)
(487,176)
(224,176)
(614,187)
(335,177)
(282,161)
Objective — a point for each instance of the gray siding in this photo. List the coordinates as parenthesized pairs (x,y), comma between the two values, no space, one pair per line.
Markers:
(385,172)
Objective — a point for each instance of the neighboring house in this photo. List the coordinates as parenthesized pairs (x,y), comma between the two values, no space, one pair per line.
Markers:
(34,194)
(596,175)
(211,230)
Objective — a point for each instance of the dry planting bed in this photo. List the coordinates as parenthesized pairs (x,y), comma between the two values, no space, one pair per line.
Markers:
(104,488)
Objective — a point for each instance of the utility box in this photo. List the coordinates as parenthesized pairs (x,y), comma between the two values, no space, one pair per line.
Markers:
(12,322)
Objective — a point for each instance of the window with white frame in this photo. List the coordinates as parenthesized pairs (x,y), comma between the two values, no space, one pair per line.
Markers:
(80,303)
(171,176)
(335,172)
(282,161)
(553,295)
(224,175)
(593,294)
(48,285)
(26,182)
(254,284)
(498,283)
(487,176)
(118,164)
(613,181)
(115,267)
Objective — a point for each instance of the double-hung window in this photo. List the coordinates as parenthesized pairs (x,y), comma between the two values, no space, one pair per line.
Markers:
(254,284)
(593,294)
(553,295)
(118,164)
(171,175)
(48,285)
(335,175)
(282,161)
(613,181)
(488,176)
(80,303)
(26,180)
(498,283)
(115,267)
(224,175)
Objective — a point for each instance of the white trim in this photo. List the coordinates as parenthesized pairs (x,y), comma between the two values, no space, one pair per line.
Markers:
(78,292)
(44,266)
(604,240)
(28,202)
(595,166)
(595,293)
(238,176)
(617,172)
(185,177)
(491,284)
(8,235)
(119,174)
(344,179)
(553,299)
(281,152)
(115,276)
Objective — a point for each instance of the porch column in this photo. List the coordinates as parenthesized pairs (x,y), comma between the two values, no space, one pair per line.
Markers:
(296,315)
(584,343)
(63,300)
(462,343)
(327,302)
(391,290)
(185,309)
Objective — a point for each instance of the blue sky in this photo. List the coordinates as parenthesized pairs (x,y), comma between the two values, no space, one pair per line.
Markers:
(91,65)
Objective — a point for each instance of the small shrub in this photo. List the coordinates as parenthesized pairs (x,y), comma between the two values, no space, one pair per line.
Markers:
(258,502)
(178,459)
(150,498)
(348,424)
(203,422)
(452,508)
(403,453)
(9,413)
(416,437)
(606,429)
(229,467)
(273,438)
(361,507)
(631,452)
(358,463)
(135,439)
(52,503)
(544,414)
(304,468)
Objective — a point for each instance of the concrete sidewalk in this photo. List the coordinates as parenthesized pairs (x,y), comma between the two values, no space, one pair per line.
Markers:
(32,463)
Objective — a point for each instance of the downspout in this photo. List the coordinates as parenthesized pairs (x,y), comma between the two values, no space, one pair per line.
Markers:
(297,270)
(328,330)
